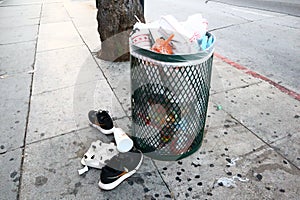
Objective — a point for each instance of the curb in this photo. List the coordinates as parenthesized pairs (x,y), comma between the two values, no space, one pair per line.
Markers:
(283,89)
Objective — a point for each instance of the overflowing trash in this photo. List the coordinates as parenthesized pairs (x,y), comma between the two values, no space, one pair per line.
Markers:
(163,46)
(169,36)
(171,64)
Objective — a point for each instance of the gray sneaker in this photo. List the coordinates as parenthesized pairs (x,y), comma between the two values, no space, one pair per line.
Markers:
(101,120)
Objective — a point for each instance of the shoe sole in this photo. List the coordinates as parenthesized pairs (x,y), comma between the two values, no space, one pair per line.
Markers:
(106,132)
(113,185)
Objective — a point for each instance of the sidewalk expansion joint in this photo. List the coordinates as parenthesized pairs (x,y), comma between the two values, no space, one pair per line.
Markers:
(66,87)
(235,88)
(266,143)
(28,112)
(16,5)
(55,49)
(57,136)
(106,78)
(11,43)
(228,26)
(170,191)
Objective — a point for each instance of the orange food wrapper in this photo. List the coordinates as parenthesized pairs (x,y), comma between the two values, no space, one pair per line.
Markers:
(163,46)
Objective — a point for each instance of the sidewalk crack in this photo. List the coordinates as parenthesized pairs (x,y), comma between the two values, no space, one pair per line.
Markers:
(28,111)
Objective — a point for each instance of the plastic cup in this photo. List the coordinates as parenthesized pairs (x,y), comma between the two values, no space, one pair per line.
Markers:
(124,143)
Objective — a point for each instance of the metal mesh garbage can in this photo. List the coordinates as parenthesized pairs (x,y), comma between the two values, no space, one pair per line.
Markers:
(169,101)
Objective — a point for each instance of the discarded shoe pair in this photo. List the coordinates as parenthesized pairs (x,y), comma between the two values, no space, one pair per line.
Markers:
(116,165)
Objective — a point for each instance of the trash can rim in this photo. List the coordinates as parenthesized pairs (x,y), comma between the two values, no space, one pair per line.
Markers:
(173,58)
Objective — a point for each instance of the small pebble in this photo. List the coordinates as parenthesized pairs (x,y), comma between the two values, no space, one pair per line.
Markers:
(259,176)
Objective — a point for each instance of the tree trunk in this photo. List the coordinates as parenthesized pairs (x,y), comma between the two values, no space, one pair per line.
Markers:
(115,22)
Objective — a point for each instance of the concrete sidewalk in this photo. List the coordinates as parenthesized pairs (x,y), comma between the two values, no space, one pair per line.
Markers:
(51,78)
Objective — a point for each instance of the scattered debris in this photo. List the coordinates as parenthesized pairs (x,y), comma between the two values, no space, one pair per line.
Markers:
(229,182)
(231,162)
(3,76)
(83,170)
(31,71)
(219,107)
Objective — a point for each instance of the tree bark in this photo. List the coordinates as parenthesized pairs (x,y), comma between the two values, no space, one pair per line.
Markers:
(115,22)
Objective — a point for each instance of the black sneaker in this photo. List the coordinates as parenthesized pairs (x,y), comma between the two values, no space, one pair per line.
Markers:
(101,121)
(119,168)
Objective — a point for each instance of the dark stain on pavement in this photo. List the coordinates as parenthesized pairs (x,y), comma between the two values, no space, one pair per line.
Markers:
(137,180)
(77,185)
(81,151)
(13,174)
(3,150)
(51,170)
(40,181)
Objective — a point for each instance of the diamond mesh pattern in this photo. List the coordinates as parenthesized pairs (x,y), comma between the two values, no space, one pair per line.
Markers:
(169,105)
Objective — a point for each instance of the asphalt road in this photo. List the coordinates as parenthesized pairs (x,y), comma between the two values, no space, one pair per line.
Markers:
(267,42)
(291,7)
